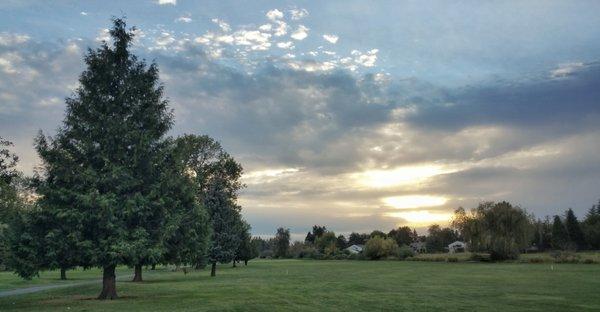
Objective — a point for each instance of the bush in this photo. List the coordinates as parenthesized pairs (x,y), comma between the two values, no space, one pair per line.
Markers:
(565,257)
(266,254)
(405,252)
(452,259)
(589,261)
(480,257)
(536,260)
(378,247)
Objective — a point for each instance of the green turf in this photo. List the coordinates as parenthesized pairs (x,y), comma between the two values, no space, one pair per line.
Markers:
(293,285)
(9,280)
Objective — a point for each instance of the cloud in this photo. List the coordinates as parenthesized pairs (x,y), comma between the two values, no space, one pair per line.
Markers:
(184,19)
(103,35)
(165,2)
(281,29)
(300,33)
(285,45)
(298,14)
(563,105)
(274,15)
(12,39)
(305,129)
(367,59)
(222,24)
(331,38)
(83,13)
(566,69)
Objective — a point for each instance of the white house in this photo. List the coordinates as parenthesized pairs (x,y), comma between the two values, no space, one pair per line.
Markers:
(354,249)
(457,246)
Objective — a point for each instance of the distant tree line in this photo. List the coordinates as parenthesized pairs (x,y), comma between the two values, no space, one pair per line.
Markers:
(499,229)
(113,189)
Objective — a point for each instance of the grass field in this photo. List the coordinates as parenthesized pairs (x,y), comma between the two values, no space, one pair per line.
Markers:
(295,285)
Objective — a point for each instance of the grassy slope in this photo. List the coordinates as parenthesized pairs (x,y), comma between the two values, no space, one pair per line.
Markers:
(291,285)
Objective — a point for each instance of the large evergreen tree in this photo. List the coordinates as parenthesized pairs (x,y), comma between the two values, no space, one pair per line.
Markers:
(591,227)
(574,230)
(560,237)
(101,165)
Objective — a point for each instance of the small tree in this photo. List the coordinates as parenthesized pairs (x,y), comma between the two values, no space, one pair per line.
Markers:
(357,239)
(341,242)
(326,243)
(438,238)
(282,243)
(246,250)
(501,229)
(379,247)
(403,235)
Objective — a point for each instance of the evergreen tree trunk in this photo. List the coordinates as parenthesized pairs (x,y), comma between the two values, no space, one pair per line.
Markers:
(137,276)
(153,267)
(109,284)
(233,266)
(245,262)
(213,270)
(63,274)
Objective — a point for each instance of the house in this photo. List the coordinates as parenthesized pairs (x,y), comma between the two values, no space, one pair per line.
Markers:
(457,246)
(419,247)
(355,249)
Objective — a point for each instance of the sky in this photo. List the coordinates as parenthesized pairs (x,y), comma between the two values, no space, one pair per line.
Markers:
(357,115)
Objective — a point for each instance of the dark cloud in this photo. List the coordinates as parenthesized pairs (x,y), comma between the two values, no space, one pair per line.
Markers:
(558,104)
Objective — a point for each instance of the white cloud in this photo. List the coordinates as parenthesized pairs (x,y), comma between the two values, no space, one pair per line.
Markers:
(83,13)
(103,35)
(281,28)
(566,69)
(298,14)
(184,19)
(222,24)
(367,59)
(163,2)
(300,33)
(8,39)
(311,65)
(265,27)
(163,40)
(255,39)
(274,15)
(331,38)
(285,45)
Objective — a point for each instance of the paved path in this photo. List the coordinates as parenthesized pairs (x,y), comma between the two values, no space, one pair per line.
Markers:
(34,289)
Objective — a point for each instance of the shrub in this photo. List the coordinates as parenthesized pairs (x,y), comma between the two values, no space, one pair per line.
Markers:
(480,257)
(452,259)
(565,257)
(266,254)
(536,260)
(589,261)
(379,247)
(405,252)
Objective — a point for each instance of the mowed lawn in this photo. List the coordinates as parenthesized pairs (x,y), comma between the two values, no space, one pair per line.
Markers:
(296,285)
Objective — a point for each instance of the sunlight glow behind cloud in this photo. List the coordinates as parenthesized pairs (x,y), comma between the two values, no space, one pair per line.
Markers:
(417,218)
(400,176)
(414,201)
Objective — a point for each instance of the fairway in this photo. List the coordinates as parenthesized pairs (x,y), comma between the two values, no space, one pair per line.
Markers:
(296,285)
